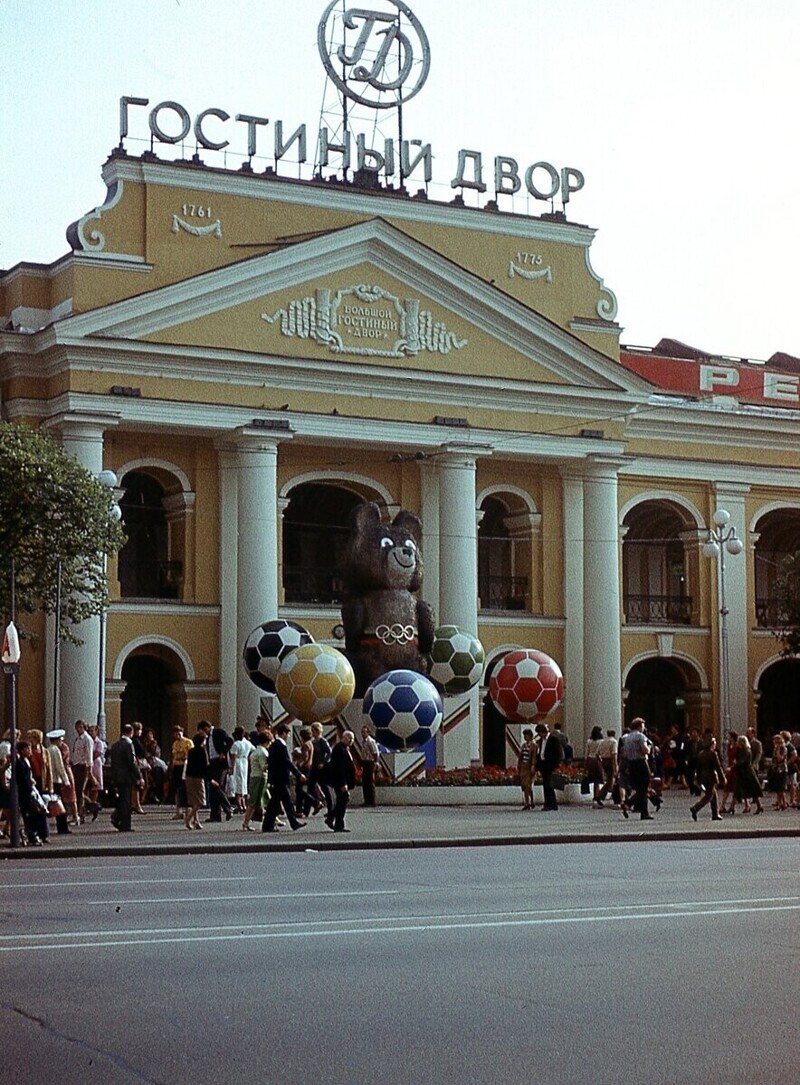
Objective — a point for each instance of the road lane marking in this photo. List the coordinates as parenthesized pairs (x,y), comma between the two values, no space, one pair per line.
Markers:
(143,881)
(254,896)
(324,929)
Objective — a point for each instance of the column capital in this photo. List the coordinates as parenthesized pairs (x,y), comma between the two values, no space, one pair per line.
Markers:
(598,465)
(255,439)
(462,453)
(81,424)
(735,490)
(177,504)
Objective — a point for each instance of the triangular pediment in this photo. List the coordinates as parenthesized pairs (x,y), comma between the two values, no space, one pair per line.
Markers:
(366,293)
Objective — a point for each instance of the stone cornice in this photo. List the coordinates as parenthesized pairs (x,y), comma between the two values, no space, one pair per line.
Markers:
(221,423)
(339,198)
(131,359)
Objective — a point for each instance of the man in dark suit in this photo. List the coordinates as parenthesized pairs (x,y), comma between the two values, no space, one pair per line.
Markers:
(548,758)
(341,776)
(218,743)
(125,776)
(280,770)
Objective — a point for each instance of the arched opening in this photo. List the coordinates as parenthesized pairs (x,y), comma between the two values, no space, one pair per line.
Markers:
(504,553)
(154,691)
(655,568)
(148,566)
(662,693)
(314,537)
(778,538)
(778,698)
(493,724)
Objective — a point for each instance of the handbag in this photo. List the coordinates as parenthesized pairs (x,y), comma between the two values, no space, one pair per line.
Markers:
(38,805)
(55,807)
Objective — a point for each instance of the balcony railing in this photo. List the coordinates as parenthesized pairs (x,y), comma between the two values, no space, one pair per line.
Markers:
(150,579)
(771,613)
(658,609)
(312,584)
(503,592)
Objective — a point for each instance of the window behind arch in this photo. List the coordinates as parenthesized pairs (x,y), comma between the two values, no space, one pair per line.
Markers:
(778,539)
(145,570)
(314,538)
(503,560)
(655,566)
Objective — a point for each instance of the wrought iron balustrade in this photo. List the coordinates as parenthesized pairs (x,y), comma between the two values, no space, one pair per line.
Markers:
(312,584)
(771,613)
(658,609)
(503,592)
(151,579)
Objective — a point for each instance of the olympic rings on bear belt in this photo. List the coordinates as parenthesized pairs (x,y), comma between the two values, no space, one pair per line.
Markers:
(396,634)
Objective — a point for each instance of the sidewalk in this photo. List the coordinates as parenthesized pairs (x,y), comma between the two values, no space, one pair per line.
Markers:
(155,832)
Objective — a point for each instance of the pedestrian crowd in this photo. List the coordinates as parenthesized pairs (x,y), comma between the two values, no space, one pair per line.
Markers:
(257,776)
(637,767)
(253,775)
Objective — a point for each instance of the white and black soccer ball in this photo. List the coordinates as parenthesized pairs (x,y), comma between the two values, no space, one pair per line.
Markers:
(455,661)
(267,645)
(405,709)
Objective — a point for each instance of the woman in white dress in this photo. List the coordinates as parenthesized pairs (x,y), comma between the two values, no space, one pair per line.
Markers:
(238,755)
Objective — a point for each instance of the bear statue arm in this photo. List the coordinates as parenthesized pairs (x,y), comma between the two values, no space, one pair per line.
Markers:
(354,618)
(425,626)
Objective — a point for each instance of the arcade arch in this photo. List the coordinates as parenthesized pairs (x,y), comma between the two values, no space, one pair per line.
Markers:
(666,691)
(156,504)
(777,536)
(315,529)
(154,673)
(659,562)
(508,532)
(777,691)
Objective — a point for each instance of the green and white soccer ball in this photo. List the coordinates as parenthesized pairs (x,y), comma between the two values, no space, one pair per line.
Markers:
(455,662)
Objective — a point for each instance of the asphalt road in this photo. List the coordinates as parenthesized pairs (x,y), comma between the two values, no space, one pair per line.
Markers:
(658,963)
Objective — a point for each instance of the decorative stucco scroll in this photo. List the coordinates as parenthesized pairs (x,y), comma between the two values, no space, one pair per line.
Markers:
(96,242)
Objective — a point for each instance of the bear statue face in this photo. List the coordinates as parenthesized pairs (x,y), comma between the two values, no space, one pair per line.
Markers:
(383,556)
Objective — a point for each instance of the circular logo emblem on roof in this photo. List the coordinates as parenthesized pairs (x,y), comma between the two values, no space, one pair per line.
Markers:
(378,56)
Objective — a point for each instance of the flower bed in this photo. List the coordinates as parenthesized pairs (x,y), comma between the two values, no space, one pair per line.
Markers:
(485,776)
(477,785)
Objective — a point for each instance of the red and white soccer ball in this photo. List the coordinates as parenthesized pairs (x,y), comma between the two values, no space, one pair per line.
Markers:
(526,685)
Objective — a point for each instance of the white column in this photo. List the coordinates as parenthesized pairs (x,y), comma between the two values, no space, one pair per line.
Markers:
(601,644)
(230,646)
(458,556)
(575,716)
(430,537)
(257,551)
(731,496)
(82,437)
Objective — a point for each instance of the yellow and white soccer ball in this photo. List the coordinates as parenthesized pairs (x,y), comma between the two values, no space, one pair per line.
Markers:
(315,683)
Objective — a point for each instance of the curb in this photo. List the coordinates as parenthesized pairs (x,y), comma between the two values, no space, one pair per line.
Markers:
(409,844)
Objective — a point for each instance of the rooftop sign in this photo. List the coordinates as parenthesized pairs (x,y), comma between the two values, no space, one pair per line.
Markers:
(379,58)
(389,60)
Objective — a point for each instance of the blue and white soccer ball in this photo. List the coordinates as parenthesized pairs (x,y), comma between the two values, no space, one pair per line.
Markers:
(404,708)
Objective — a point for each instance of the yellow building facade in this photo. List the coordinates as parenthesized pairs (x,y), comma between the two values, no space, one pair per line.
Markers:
(252,356)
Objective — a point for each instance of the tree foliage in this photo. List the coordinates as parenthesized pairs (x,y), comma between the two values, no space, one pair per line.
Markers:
(788,592)
(52,509)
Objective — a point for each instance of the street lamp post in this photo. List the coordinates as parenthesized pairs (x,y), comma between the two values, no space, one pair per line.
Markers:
(109,480)
(721,537)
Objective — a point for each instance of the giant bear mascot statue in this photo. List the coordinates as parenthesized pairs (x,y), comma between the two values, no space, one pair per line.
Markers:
(386,626)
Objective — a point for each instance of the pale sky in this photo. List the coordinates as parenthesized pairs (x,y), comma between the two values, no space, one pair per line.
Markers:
(681,114)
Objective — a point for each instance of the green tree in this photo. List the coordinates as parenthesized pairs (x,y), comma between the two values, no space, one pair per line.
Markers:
(788,592)
(51,510)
